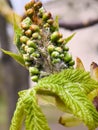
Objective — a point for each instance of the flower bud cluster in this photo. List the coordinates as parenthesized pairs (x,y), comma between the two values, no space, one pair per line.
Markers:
(42,46)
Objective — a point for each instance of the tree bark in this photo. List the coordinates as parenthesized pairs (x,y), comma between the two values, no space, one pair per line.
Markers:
(78,25)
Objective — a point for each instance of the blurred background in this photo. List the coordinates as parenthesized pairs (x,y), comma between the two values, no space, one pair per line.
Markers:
(74,16)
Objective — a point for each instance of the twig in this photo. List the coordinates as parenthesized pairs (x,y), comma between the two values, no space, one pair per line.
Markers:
(78,25)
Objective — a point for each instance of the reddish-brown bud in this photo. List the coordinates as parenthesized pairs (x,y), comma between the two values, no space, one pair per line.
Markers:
(30,4)
(30,12)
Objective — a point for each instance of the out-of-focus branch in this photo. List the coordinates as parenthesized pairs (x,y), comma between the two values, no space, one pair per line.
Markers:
(9,3)
(77,25)
(7,12)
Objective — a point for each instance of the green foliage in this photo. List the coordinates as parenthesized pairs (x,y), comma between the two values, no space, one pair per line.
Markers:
(43,51)
(71,86)
(57,22)
(17,57)
(76,76)
(28,109)
(69,38)
(18,116)
(34,116)
(66,90)
(17,32)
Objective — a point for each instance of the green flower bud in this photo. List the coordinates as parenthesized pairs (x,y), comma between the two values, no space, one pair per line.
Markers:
(23,39)
(46,16)
(58,49)
(51,48)
(26,48)
(22,50)
(46,25)
(35,55)
(65,52)
(62,56)
(30,50)
(65,48)
(26,57)
(55,54)
(34,28)
(36,36)
(41,11)
(28,63)
(60,40)
(50,21)
(28,33)
(53,27)
(25,24)
(55,61)
(37,5)
(31,43)
(34,78)
(71,63)
(23,46)
(33,70)
(55,36)
(30,12)
(67,57)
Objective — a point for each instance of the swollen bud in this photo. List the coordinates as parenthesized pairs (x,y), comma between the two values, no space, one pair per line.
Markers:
(65,48)
(26,23)
(23,39)
(67,57)
(30,4)
(34,28)
(55,54)
(55,36)
(28,33)
(71,63)
(46,16)
(31,43)
(37,5)
(30,12)
(33,70)
(51,48)
(56,60)
(36,36)
(34,78)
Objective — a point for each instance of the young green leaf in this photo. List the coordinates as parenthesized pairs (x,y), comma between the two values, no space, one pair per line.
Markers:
(77,76)
(16,123)
(69,38)
(57,22)
(18,32)
(71,86)
(28,107)
(76,101)
(17,57)
(35,119)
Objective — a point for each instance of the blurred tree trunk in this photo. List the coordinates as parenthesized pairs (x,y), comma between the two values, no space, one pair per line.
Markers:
(14,76)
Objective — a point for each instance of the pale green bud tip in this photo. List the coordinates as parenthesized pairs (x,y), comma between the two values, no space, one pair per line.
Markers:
(31,43)
(55,36)
(34,78)
(33,70)
(55,54)
(23,39)
(68,57)
(26,23)
(51,48)
(58,49)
